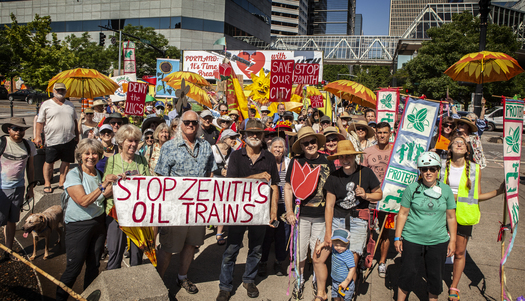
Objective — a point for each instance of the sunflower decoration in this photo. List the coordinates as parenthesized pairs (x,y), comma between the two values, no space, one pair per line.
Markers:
(260,87)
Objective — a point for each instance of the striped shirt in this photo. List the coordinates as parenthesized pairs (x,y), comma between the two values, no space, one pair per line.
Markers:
(341,264)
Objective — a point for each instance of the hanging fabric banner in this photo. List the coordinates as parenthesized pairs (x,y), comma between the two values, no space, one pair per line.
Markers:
(386,107)
(129,57)
(413,138)
(512,129)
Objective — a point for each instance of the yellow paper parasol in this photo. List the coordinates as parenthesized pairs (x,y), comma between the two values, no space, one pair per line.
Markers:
(353,92)
(484,67)
(196,93)
(81,82)
(191,77)
(312,91)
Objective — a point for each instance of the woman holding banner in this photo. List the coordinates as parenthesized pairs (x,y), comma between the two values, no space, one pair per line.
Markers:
(125,163)
(84,215)
(464,177)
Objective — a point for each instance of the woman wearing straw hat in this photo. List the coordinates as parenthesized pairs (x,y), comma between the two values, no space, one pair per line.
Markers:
(311,217)
(360,134)
(332,138)
(349,191)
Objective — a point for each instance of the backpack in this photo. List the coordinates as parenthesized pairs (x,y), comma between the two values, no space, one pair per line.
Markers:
(64,197)
(3,144)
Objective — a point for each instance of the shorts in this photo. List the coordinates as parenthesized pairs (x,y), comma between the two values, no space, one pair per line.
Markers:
(64,152)
(172,239)
(310,229)
(465,231)
(358,232)
(11,201)
(415,256)
(348,294)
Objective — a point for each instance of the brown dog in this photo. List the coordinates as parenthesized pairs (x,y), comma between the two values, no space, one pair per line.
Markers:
(42,224)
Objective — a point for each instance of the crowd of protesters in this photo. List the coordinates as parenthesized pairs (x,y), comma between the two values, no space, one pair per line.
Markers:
(334,221)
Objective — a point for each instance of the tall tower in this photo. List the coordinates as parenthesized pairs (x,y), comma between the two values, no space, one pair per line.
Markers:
(403,13)
(331,17)
(289,17)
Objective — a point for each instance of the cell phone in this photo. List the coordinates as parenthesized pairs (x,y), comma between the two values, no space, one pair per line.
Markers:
(275,223)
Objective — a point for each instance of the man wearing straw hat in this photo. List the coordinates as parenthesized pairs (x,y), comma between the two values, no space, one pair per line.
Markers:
(58,119)
(16,156)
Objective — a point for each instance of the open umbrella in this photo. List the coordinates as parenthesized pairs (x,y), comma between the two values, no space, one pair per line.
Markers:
(81,82)
(191,77)
(484,67)
(196,93)
(353,92)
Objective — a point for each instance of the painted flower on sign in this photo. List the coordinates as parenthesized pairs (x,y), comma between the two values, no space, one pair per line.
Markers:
(418,120)
(304,180)
(513,140)
(387,101)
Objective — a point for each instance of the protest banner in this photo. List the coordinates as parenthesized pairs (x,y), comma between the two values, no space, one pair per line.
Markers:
(316,101)
(177,201)
(513,127)
(165,67)
(136,98)
(386,107)
(122,81)
(128,49)
(281,80)
(413,138)
(245,62)
(306,74)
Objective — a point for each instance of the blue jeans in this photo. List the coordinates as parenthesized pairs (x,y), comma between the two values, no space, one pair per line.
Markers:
(233,245)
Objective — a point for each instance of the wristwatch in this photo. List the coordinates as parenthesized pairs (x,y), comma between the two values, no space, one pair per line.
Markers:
(101,188)
(398,238)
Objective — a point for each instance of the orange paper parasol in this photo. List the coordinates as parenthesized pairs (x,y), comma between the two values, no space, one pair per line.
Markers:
(191,77)
(196,93)
(353,92)
(81,82)
(484,67)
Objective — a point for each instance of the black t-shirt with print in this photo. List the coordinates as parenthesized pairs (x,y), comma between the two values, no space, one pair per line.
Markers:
(343,187)
(313,206)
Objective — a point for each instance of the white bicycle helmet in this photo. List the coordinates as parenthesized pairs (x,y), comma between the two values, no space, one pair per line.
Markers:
(427,159)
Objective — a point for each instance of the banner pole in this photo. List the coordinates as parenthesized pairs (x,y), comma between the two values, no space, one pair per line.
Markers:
(502,276)
(368,271)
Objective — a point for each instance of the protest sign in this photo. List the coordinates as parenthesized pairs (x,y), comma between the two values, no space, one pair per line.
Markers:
(512,129)
(177,201)
(413,138)
(136,98)
(386,107)
(165,67)
(281,80)
(128,49)
(306,74)
(316,101)
(122,81)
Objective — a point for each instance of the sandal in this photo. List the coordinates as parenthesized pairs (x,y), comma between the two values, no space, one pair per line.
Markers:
(49,189)
(320,298)
(220,239)
(453,296)
(61,187)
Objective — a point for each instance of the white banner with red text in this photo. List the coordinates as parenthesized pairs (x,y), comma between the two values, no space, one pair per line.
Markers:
(181,201)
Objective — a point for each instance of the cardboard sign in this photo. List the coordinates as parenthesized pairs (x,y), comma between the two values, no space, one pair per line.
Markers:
(442,143)
(136,98)
(306,74)
(281,80)
(413,138)
(122,81)
(512,128)
(316,101)
(165,67)
(179,201)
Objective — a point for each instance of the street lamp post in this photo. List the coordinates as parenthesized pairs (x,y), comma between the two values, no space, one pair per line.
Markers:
(484,9)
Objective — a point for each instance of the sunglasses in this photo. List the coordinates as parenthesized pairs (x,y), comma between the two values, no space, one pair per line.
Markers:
(149,137)
(224,110)
(17,129)
(307,143)
(425,169)
(300,120)
(106,133)
(325,122)
(89,114)
(448,125)
(116,122)
(332,139)
(360,129)
(192,122)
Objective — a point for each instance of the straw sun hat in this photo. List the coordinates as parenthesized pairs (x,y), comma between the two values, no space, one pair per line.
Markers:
(370,131)
(304,132)
(344,147)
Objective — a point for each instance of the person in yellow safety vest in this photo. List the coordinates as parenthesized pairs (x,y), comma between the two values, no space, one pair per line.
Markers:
(463,177)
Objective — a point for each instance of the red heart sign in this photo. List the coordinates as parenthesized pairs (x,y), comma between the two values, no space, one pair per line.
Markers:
(257,58)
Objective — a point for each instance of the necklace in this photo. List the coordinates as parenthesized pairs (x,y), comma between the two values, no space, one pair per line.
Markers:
(191,152)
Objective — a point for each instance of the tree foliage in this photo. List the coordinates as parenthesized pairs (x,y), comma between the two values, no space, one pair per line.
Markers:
(330,72)
(373,77)
(424,74)
(88,53)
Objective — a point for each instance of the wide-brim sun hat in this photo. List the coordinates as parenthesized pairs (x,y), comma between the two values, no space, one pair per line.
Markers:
(99,102)
(117,116)
(332,130)
(304,132)
(146,124)
(344,147)
(370,131)
(233,112)
(14,121)
(345,115)
(254,125)
(473,127)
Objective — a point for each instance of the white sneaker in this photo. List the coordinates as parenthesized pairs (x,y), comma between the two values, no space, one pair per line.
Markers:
(381,269)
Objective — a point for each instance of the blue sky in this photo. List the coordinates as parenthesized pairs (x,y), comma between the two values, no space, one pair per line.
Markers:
(375,16)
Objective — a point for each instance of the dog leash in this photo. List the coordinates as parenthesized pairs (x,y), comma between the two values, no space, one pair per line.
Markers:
(28,200)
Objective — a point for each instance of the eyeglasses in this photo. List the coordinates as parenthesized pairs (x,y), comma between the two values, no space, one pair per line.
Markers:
(332,139)
(307,143)
(192,122)
(116,122)
(360,129)
(325,122)
(425,169)
(458,143)
(106,133)
(149,138)
(448,125)
(17,129)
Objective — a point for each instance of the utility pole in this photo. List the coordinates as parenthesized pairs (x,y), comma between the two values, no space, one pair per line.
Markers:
(484,9)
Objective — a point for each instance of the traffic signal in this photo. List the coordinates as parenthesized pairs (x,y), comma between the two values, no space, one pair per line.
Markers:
(102,39)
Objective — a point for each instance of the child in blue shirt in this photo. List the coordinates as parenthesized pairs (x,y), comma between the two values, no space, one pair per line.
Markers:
(343,266)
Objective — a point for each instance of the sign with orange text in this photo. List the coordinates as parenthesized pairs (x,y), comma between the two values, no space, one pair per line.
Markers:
(281,80)
(179,201)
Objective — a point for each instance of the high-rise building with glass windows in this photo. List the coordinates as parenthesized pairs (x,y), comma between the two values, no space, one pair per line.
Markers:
(289,17)
(403,13)
(331,17)
(358,29)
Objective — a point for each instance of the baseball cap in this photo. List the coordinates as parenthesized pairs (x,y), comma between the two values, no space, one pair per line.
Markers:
(206,113)
(105,127)
(264,109)
(325,118)
(159,104)
(341,234)
(229,133)
(59,86)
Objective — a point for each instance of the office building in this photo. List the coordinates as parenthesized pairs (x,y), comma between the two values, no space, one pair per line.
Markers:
(403,13)
(358,29)
(331,17)
(188,25)
(289,17)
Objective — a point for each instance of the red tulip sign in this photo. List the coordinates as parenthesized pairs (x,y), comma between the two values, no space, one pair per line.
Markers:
(304,180)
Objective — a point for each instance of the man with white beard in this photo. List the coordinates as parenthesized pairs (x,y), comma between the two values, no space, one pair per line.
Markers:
(251,162)
(58,119)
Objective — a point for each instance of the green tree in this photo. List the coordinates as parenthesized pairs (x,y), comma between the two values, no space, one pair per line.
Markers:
(330,72)
(373,77)
(424,74)
(36,58)
(88,54)
(145,55)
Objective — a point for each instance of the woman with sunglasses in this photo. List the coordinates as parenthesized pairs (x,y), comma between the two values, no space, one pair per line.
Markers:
(110,149)
(464,178)
(360,134)
(448,129)
(88,126)
(146,142)
(161,135)
(427,209)
(332,139)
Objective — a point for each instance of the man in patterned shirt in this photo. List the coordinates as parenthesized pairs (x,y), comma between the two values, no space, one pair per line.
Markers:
(186,155)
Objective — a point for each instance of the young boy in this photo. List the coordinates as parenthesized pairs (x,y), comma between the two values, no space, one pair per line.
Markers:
(343,266)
